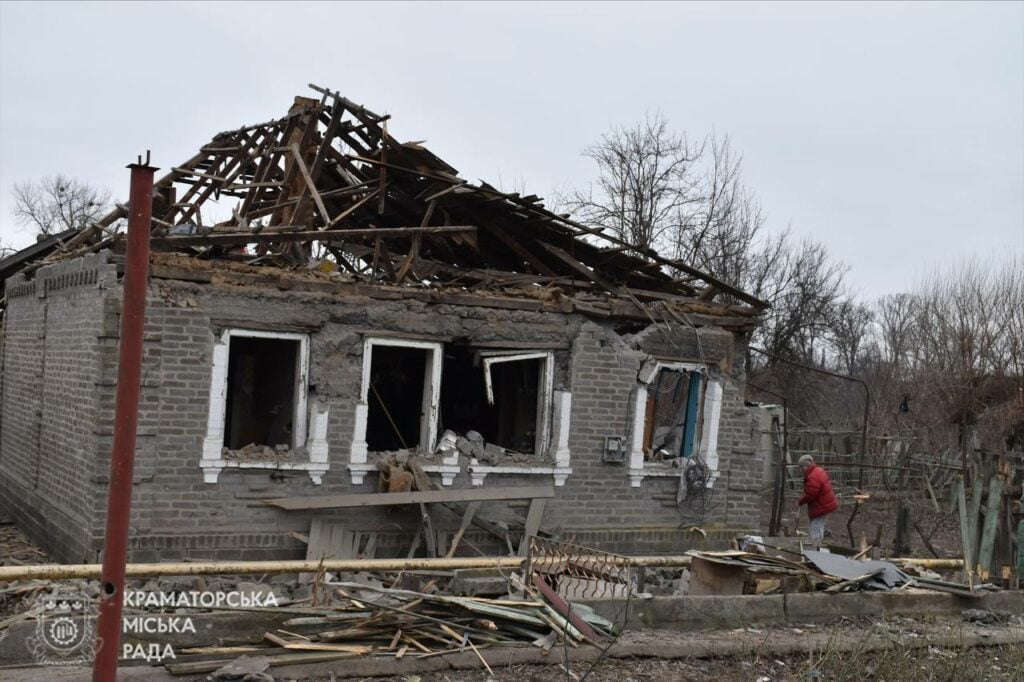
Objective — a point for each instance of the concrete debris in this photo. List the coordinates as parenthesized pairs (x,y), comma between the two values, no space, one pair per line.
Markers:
(265,453)
(472,445)
(446,445)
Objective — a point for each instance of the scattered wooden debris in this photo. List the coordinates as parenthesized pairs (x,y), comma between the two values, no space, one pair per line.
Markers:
(736,572)
(372,620)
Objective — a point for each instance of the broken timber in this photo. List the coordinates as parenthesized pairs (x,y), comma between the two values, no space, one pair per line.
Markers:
(329,173)
(537,495)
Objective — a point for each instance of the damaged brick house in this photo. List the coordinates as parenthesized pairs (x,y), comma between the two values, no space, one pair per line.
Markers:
(321,296)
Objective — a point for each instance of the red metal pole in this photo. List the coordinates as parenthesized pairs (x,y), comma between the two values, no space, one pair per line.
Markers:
(126,413)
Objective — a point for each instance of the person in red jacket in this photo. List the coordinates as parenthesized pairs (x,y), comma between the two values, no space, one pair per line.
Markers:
(818,496)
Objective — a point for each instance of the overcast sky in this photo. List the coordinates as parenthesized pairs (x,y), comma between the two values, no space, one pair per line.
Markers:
(893,133)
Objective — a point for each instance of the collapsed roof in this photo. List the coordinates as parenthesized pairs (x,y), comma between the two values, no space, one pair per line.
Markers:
(327,180)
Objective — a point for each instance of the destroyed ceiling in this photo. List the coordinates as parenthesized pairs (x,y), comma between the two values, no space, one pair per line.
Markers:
(328,181)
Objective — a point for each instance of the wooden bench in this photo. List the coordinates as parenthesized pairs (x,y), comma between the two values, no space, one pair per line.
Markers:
(331,541)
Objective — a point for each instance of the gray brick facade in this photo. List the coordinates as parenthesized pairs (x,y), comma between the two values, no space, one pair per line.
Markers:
(59,378)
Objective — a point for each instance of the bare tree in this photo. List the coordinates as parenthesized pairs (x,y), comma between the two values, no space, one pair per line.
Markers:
(644,182)
(804,284)
(657,190)
(850,334)
(895,316)
(718,232)
(58,203)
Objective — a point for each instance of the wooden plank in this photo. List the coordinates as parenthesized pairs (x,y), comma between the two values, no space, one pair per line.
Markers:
(590,273)
(340,543)
(309,184)
(243,238)
(313,173)
(965,529)
(512,243)
(319,538)
(415,542)
(426,497)
(467,518)
(711,578)
(991,523)
(974,518)
(285,659)
(429,534)
(533,517)
(317,545)
(351,209)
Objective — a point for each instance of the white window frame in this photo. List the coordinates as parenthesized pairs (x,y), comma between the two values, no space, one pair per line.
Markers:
(554,411)
(310,427)
(545,388)
(359,464)
(709,414)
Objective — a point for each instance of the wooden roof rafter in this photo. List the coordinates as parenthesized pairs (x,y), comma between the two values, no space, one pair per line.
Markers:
(330,166)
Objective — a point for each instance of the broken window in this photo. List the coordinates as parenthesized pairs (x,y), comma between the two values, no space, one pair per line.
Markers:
(262,383)
(257,415)
(400,390)
(675,420)
(671,424)
(503,395)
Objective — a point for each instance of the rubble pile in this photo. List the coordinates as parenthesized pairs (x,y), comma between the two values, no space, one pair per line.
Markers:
(355,619)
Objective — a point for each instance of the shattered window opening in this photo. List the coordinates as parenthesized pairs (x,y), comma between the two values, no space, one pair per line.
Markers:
(396,398)
(400,390)
(502,395)
(262,382)
(671,420)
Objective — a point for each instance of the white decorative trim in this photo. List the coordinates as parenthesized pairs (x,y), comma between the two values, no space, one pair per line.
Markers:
(359,471)
(636,450)
(211,461)
(478,472)
(561,418)
(359,452)
(708,449)
(317,443)
(448,471)
(560,426)
(545,388)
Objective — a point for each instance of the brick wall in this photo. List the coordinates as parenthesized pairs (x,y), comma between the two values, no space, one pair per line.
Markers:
(48,410)
(177,515)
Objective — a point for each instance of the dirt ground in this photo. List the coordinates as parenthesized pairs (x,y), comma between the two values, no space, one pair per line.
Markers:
(937,665)
(895,662)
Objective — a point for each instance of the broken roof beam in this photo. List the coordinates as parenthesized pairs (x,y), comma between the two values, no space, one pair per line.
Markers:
(356,109)
(269,161)
(579,267)
(242,238)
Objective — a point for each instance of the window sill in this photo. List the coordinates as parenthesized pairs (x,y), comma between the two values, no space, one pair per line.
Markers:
(478,472)
(637,475)
(212,468)
(448,470)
